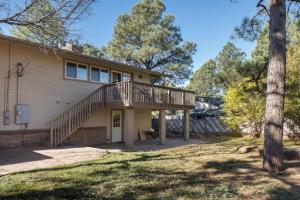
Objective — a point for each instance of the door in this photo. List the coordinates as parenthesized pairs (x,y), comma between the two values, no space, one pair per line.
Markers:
(116,129)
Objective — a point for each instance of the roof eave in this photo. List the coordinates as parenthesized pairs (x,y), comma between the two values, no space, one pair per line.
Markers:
(67,52)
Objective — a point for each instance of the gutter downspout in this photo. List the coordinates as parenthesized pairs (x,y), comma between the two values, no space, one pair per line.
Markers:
(19,75)
(6,120)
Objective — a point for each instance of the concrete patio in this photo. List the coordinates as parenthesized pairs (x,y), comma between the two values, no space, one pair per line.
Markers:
(17,160)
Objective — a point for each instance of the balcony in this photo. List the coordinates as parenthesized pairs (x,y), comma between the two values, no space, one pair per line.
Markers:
(136,94)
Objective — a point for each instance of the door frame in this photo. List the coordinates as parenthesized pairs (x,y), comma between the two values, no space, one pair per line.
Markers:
(122,120)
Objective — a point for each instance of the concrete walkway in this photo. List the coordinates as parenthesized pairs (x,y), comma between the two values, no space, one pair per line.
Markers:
(17,160)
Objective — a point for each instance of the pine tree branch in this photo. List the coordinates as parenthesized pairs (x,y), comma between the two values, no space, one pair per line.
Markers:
(260,4)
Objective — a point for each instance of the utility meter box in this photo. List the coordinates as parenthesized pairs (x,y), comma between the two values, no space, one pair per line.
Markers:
(22,114)
(6,117)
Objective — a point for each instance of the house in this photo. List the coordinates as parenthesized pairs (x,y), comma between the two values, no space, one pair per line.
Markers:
(52,96)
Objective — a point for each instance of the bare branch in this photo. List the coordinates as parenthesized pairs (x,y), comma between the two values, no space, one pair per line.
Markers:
(62,13)
(260,4)
(296,1)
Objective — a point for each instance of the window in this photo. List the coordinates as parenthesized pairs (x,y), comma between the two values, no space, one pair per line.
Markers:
(95,76)
(104,76)
(116,121)
(116,77)
(99,75)
(71,70)
(126,77)
(82,72)
(76,71)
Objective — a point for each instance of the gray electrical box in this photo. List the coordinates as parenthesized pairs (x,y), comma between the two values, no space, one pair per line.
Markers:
(6,117)
(22,114)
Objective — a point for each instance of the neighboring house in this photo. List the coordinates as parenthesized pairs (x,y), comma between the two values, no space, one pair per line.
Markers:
(204,107)
(55,96)
(205,118)
(207,107)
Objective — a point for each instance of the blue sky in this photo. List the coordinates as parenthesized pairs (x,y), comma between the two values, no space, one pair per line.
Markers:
(209,23)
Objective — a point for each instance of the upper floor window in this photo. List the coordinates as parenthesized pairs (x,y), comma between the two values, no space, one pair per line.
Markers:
(95,74)
(126,77)
(76,71)
(80,71)
(116,77)
(104,76)
(99,75)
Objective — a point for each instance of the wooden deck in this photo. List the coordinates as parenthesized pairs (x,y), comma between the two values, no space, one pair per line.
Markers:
(136,94)
(120,95)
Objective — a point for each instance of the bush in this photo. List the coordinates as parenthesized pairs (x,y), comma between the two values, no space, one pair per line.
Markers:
(244,108)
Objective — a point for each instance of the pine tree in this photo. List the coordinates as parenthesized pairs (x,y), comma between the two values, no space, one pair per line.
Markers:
(148,38)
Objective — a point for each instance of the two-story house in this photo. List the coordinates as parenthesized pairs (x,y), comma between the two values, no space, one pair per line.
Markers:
(53,96)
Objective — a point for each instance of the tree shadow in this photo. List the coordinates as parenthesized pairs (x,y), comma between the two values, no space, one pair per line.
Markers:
(132,177)
(150,181)
(9,157)
(241,169)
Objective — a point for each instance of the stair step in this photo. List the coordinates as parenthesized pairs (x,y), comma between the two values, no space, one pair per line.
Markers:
(64,125)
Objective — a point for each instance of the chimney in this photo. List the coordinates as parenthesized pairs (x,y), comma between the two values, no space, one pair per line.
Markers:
(73,47)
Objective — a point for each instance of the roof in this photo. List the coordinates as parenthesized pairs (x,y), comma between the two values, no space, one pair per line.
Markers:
(67,54)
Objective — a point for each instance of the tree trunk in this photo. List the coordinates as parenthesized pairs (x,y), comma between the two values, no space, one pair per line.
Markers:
(273,146)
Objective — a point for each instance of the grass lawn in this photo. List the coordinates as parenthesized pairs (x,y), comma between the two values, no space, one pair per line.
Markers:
(204,171)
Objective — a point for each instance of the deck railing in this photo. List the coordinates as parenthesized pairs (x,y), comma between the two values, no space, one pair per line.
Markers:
(70,120)
(136,94)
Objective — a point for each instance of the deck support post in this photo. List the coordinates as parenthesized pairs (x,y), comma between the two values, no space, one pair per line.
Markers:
(162,127)
(186,125)
(129,127)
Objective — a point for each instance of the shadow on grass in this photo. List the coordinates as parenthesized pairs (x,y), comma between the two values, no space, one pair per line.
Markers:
(131,178)
(240,170)
(122,180)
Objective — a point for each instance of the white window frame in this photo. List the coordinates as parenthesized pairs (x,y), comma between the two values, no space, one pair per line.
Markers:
(89,72)
(100,68)
(77,63)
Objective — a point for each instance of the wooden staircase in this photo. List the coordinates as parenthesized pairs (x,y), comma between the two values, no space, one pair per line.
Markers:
(64,125)
(117,95)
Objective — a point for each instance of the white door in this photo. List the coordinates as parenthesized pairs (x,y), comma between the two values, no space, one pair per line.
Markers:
(116,129)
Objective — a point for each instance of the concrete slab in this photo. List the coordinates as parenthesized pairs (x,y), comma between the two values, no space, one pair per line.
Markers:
(18,160)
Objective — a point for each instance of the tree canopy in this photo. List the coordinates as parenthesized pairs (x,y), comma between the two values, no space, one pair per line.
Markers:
(253,85)
(147,38)
(56,29)
(228,61)
(204,80)
(91,50)
(216,75)
(43,21)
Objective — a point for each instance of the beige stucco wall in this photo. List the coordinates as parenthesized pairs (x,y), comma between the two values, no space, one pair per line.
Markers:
(101,119)
(139,77)
(44,87)
(142,121)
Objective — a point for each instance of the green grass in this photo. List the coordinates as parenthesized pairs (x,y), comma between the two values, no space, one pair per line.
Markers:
(204,171)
